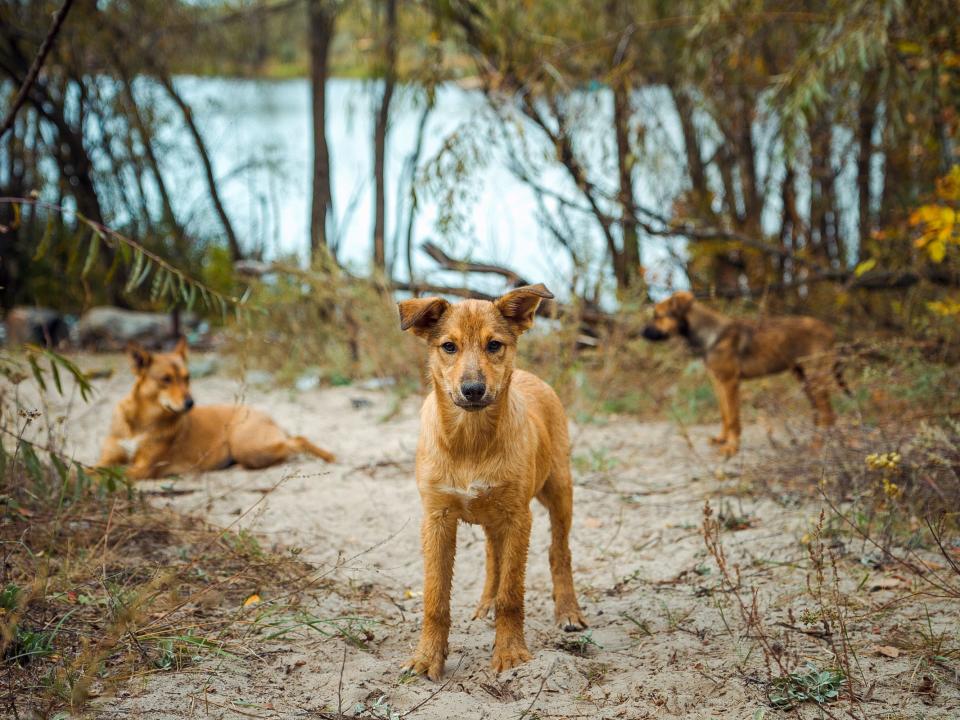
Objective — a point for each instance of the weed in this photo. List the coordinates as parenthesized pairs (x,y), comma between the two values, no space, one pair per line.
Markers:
(813,685)
(578,644)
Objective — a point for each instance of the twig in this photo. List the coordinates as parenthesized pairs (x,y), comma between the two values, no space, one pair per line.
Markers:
(34,71)
(436,692)
(543,681)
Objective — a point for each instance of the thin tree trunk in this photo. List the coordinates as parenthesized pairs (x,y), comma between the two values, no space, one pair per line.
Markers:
(321,22)
(630,250)
(380,139)
(235,252)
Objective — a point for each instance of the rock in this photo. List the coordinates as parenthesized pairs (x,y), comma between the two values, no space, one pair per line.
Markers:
(202,366)
(258,377)
(111,328)
(37,325)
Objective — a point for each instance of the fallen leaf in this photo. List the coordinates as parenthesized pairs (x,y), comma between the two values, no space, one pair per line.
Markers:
(592,522)
(252,600)
(885,583)
(25,512)
(887,651)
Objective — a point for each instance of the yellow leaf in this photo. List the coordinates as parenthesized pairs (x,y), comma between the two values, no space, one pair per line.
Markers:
(937,250)
(252,600)
(865,267)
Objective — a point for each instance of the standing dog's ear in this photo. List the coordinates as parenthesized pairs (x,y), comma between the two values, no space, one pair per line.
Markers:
(421,315)
(680,303)
(520,305)
(181,347)
(140,357)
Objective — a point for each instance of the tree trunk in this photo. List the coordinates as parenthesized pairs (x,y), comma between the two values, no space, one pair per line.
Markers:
(321,23)
(380,139)
(629,264)
(235,252)
(867,117)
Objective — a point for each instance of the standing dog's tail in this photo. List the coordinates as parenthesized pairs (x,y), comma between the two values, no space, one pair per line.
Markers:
(838,374)
(305,446)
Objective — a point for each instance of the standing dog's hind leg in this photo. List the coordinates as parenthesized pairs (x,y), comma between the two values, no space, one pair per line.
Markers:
(557,497)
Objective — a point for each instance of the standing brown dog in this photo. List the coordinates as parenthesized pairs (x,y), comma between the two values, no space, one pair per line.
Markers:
(736,349)
(157,431)
(492,438)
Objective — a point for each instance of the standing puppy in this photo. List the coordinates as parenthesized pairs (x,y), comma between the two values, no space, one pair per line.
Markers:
(736,349)
(492,438)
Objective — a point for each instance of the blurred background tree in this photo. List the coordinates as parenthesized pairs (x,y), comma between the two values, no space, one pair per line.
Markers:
(789,151)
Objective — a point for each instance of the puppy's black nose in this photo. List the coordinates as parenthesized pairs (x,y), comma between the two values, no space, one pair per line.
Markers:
(652,333)
(473,391)
(188,402)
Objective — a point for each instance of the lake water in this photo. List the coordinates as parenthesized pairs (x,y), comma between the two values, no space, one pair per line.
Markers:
(258,133)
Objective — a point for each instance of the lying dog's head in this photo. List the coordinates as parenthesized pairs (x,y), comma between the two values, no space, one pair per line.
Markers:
(163,382)
(669,317)
(472,343)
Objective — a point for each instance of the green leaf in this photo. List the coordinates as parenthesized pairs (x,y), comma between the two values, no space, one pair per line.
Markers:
(45,241)
(134,271)
(92,252)
(56,375)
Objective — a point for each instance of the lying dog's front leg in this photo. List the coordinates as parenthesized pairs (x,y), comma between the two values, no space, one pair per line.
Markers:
(510,648)
(439,538)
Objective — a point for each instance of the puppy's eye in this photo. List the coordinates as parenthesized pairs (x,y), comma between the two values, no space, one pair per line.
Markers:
(494,345)
(186,378)
(166,379)
(449,347)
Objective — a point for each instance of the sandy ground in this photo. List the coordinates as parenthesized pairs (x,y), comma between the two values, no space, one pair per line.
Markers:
(657,645)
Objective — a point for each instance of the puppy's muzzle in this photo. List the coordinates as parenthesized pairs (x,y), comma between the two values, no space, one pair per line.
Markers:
(651,332)
(472,396)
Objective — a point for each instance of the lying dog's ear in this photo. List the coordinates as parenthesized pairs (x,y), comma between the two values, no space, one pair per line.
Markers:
(520,305)
(681,302)
(181,347)
(421,315)
(140,357)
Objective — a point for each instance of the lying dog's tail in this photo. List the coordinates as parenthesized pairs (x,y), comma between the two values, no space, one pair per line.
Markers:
(305,446)
(838,374)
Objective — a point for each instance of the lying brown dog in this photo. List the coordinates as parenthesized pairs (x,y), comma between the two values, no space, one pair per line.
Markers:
(739,349)
(492,438)
(157,431)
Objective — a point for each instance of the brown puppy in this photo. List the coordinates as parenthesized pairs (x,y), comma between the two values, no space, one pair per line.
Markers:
(492,438)
(739,349)
(157,431)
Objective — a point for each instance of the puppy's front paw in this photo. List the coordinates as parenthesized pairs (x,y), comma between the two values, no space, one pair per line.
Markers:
(729,449)
(483,608)
(719,439)
(430,665)
(570,620)
(508,655)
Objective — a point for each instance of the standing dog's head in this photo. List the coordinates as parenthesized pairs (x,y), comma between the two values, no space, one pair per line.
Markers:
(473,343)
(162,387)
(669,317)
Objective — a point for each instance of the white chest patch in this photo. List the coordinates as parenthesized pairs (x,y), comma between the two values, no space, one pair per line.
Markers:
(130,445)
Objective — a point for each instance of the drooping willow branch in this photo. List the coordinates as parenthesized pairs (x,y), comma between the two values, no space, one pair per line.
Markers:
(169,283)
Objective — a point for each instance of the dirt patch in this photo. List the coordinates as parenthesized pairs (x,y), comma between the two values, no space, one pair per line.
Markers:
(664,638)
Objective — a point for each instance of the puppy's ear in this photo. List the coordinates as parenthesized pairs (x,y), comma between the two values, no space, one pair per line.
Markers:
(421,315)
(519,306)
(181,347)
(140,357)
(681,302)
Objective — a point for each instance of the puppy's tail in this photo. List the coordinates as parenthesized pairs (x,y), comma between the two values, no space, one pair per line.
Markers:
(305,446)
(838,374)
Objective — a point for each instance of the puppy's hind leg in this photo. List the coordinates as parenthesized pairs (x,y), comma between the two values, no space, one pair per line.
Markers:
(557,497)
